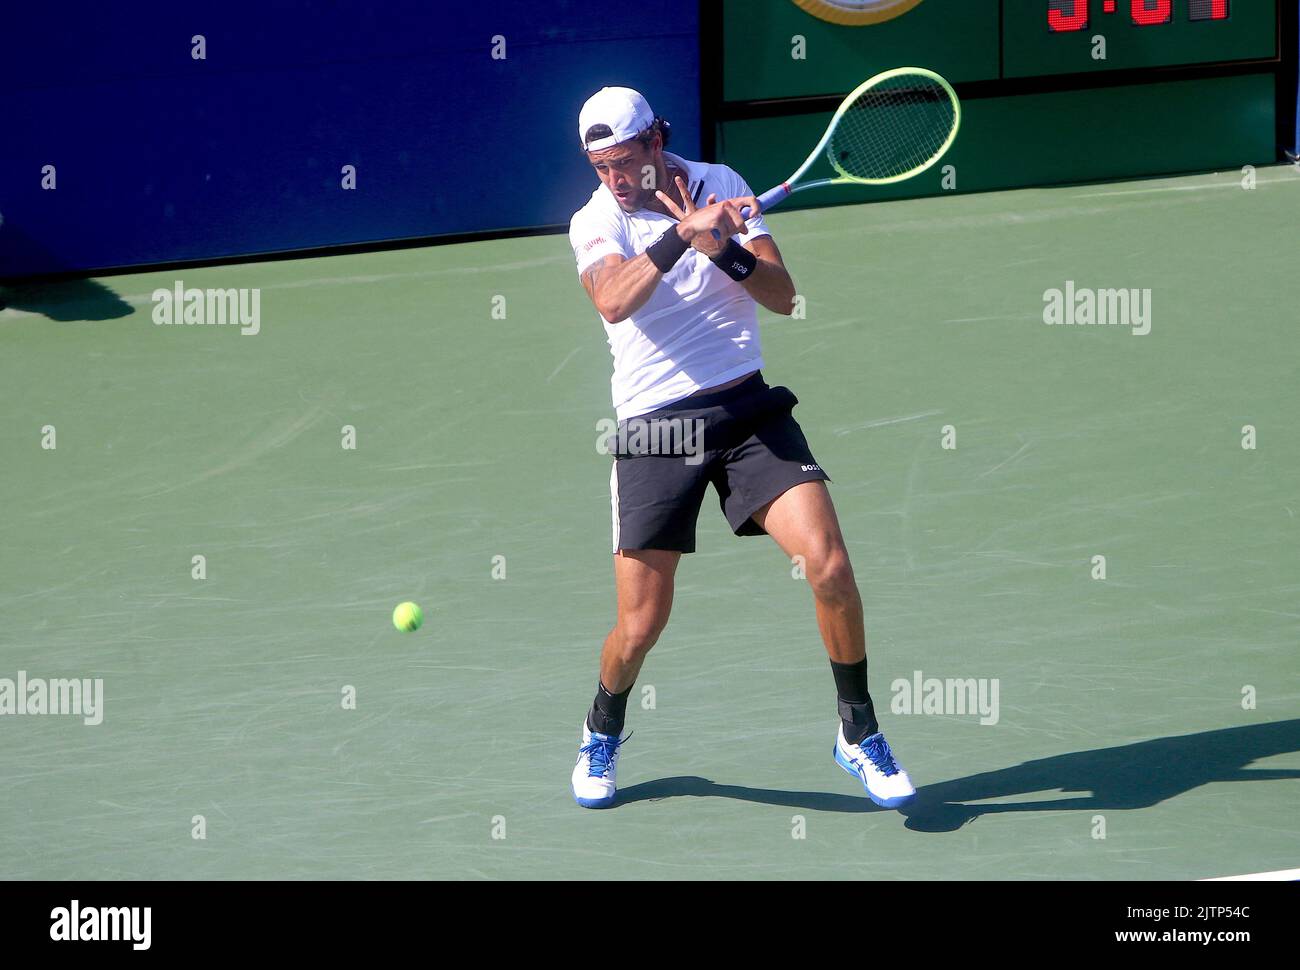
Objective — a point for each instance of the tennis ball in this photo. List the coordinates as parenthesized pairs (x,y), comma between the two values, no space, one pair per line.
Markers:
(407,617)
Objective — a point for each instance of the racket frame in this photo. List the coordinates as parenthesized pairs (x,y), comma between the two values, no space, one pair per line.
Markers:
(779,193)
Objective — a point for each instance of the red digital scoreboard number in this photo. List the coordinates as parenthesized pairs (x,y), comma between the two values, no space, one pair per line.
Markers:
(1065,16)
(1207,9)
(1147,12)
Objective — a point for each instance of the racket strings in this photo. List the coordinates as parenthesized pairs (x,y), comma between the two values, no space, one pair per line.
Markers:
(893,128)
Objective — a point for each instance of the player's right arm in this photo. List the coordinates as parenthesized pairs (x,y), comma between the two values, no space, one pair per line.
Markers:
(619,286)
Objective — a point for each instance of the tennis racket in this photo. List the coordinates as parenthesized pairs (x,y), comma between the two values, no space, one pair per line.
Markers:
(890,128)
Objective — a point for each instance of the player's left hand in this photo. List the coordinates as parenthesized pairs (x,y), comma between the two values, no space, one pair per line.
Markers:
(741,201)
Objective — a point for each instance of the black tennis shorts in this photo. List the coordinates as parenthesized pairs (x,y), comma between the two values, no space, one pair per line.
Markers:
(743,439)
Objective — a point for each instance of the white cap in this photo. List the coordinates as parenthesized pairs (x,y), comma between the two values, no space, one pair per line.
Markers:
(623,110)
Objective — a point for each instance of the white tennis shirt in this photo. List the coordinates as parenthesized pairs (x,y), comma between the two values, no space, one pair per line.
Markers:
(699,328)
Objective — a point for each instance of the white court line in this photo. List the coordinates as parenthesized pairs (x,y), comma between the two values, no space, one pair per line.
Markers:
(1281,875)
(560,367)
(1019,452)
(1188,188)
(881,422)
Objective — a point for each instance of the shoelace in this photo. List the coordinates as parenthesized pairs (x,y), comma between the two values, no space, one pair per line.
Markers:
(602,752)
(877,749)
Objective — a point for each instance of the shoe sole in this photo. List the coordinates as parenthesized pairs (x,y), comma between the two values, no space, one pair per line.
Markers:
(898,802)
(596,802)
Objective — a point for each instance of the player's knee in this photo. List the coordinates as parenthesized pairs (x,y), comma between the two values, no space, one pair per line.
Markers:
(831,578)
(637,635)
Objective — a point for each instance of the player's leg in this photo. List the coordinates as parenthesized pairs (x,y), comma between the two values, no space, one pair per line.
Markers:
(655,500)
(772,483)
(803,523)
(644,581)
(802,520)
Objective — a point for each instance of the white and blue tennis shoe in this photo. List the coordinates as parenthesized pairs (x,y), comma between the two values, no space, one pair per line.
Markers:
(594,776)
(874,765)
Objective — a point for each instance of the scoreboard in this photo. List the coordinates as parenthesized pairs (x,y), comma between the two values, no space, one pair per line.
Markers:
(1157,86)
(1064,16)
(1045,37)
(972,40)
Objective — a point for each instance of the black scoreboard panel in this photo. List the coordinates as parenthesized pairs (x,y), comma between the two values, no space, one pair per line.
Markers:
(1045,37)
(775,49)
(1052,90)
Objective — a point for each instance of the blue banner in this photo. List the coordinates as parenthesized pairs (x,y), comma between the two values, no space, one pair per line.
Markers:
(156,132)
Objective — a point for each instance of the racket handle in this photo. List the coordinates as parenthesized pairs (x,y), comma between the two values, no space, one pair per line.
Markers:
(765,201)
(774,196)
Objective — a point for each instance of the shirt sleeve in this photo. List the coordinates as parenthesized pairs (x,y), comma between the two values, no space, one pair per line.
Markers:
(594,236)
(755,226)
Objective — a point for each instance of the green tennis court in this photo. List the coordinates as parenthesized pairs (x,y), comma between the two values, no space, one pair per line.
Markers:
(1158,707)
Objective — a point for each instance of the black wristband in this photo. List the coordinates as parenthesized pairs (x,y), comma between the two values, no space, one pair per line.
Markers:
(736,261)
(665,251)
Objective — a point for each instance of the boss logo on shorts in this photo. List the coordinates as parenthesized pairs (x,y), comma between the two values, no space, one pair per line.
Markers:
(811,468)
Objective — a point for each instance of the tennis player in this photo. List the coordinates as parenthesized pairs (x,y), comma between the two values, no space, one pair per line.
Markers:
(676,274)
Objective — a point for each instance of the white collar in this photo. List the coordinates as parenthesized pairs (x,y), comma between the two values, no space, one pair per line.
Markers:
(694,172)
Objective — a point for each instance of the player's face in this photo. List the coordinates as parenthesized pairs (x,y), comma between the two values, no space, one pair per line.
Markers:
(625,169)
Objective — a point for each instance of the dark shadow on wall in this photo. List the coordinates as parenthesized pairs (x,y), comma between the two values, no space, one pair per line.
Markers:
(67,299)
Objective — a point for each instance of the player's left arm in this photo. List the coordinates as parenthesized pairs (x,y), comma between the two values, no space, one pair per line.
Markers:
(770,284)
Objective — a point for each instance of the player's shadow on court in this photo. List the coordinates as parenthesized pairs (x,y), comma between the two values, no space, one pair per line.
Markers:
(66,301)
(1113,779)
(693,785)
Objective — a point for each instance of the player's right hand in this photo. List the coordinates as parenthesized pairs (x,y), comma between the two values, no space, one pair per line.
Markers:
(698,225)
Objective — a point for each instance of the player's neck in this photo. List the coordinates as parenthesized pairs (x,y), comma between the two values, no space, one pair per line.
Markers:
(666,178)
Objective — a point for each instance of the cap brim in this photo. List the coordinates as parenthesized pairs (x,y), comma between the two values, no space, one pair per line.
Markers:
(600,144)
